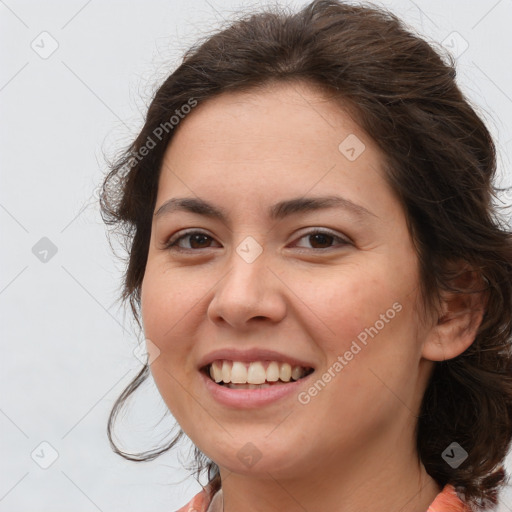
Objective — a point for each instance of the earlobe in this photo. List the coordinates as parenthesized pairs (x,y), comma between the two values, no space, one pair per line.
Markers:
(460,317)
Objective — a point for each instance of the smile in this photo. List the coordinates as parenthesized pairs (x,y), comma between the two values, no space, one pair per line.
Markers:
(254,374)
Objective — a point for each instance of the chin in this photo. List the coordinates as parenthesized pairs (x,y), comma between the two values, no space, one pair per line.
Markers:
(256,455)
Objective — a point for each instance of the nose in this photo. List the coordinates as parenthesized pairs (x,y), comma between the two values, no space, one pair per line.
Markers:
(249,293)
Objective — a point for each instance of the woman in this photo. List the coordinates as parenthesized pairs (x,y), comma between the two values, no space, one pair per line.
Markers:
(323,283)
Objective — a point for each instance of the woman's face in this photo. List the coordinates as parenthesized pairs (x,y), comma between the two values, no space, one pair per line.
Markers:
(311,270)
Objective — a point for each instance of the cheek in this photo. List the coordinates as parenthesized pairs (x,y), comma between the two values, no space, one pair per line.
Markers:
(168,308)
(354,303)
(165,302)
(373,319)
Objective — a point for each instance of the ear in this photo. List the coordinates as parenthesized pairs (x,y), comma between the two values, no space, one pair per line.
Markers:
(456,325)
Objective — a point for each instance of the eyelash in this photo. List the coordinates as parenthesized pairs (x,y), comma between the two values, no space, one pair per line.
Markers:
(171,244)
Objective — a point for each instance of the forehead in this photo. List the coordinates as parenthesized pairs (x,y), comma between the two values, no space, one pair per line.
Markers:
(286,114)
(273,143)
(296,122)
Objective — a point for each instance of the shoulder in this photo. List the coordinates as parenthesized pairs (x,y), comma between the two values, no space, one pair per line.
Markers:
(448,501)
(199,503)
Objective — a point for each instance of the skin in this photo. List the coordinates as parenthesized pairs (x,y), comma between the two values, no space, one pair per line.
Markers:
(352,446)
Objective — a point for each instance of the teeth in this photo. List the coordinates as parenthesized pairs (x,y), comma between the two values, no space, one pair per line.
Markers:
(296,373)
(248,386)
(273,372)
(253,375)
(216,371)
(285,372)
(226,372)
(256,373)
(238,373)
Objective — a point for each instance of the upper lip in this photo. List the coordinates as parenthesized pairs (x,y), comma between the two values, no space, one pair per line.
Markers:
(251,355)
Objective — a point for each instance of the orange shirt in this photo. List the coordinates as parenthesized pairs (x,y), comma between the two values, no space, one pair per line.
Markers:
(446,501)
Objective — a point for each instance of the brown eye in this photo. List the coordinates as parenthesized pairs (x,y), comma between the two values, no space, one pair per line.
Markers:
(323,239)
(196,240)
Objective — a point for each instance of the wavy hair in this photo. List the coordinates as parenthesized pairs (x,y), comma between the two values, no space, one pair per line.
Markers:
(439,158)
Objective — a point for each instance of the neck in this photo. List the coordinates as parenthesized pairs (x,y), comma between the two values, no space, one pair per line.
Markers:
(370,479)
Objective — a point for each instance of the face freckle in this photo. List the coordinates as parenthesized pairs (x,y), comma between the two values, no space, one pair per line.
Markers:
(351,294)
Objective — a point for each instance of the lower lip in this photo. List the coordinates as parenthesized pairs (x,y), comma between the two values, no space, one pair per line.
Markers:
(251,398)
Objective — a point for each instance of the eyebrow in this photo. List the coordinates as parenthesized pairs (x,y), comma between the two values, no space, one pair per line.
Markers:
(277,211)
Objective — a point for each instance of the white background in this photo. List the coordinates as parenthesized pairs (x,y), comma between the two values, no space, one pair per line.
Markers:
(67,343)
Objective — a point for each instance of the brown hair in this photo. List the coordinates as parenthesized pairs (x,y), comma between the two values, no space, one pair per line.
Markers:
(439,158)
